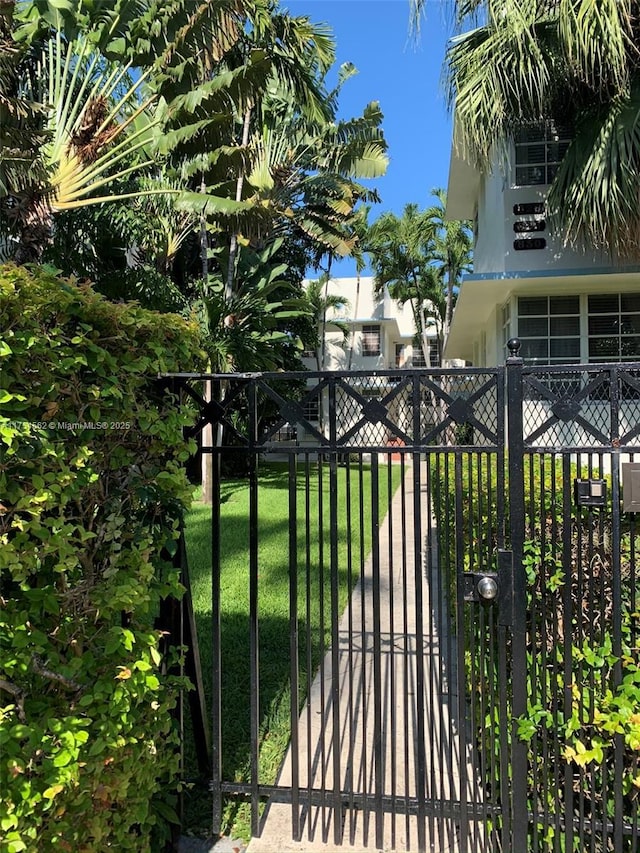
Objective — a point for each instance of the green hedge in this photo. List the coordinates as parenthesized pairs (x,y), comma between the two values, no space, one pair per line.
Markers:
(91,491)
(600,726)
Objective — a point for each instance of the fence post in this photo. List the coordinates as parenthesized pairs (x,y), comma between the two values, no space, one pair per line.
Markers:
(516,449)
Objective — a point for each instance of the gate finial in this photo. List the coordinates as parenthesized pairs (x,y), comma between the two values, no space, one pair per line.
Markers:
(513,345)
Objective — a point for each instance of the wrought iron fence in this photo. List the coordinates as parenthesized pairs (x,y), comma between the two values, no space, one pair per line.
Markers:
(420,712)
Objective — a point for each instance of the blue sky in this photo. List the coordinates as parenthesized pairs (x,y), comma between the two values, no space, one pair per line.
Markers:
(404,75)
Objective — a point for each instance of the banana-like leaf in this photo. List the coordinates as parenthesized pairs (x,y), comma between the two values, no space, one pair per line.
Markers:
(365,162)
(208,204)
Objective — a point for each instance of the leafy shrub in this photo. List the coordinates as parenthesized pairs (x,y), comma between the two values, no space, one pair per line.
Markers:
(91,494)
(597,723)
(582,724)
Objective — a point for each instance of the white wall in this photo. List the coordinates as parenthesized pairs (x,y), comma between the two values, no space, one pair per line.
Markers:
(494,250)
(365,307)
(362,308)
(573,434)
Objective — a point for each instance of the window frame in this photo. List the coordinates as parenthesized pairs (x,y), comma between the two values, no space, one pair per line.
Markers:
(585,337)
(620,336)
(311,410)
(552,137)
(368,331)
(547,317)
(417,357)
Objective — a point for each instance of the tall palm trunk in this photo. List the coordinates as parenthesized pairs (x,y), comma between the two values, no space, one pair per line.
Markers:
(323,327)
(421,323)
(448,310)
(207,458)
(207,432)
(355,314)
(322,351)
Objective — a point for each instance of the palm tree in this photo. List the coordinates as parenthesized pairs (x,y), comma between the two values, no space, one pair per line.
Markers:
(155,226)
(295,164)
(361,229)
(420,257)
(234,87)
(253,329)
(567,62)
(299,54)
(307,175)
(275,146)
(319,302)
(451,251)
(21,120)
(250,328)
(401,250)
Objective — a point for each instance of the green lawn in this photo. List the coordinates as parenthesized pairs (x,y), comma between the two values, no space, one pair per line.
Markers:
(312,526)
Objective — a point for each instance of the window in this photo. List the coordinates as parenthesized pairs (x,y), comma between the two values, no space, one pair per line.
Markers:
(399,355)
(371,340)
(539,150)
(614,327)
(417,359)
(549,329)
(311,410)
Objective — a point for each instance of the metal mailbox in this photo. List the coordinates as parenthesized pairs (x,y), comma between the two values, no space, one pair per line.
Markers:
(631,486)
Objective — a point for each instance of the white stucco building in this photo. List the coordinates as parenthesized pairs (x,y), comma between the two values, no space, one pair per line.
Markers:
(381,331)
(565,305)
(381,337)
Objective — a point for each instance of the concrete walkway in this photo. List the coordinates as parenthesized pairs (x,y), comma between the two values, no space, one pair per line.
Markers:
(397,732)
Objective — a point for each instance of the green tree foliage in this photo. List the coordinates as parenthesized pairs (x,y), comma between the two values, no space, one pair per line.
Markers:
(92,492)
(308,170)
(283,152)
(21,119)
(101,88)
(252,327)
(174,130)
(450,250)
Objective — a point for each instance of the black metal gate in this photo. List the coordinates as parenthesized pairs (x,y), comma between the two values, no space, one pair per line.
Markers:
(456,659)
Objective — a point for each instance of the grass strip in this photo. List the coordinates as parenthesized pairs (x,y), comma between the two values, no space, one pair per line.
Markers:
(313,563)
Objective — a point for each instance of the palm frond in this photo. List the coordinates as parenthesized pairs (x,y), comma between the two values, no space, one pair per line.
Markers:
(207,203)
(596,39)
(594,199)
(330,236)
(574,61)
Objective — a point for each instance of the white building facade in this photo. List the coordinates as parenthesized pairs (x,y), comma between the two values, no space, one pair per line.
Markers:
(380,336)
(381,331)
(565,305)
